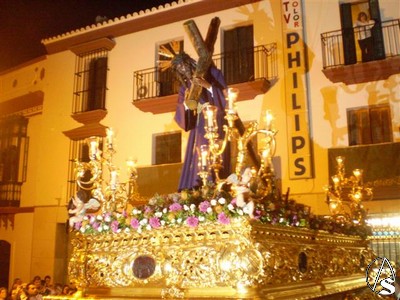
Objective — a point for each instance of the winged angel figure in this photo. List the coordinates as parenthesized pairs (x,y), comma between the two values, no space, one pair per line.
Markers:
(79,205)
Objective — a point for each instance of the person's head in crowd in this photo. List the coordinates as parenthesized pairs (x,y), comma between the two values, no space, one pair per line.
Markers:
(65,289)
(47,280)
(31,290)
(3,292)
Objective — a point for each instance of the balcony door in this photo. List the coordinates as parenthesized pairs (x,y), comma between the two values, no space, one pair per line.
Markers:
(238,60)
(348,15)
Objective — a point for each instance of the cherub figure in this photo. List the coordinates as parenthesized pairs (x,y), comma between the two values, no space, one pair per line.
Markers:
(242,190)
(79,205)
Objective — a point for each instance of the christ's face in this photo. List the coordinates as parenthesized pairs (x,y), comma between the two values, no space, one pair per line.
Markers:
(185,70)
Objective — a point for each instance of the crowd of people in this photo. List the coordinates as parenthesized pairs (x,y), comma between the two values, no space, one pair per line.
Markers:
(36,289)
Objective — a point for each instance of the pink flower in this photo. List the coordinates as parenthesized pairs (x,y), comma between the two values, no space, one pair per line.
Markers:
(233,202)
(154,222)
(223,219)
(147,210)
(114,226)
(78,225)
(203,206)
(135,223)
(192,221)
(95,225)
(175,207)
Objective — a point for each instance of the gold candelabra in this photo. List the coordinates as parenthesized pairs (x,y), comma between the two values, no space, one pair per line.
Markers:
(113,194)
(346,194)
(210,155)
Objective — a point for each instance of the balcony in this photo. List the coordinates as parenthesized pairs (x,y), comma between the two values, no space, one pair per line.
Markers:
(343,63)
(253,72)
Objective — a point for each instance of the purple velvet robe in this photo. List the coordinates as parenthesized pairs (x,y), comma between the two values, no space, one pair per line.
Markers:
(189,121)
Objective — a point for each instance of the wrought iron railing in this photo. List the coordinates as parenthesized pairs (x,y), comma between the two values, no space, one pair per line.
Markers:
(333,49)
(259,62)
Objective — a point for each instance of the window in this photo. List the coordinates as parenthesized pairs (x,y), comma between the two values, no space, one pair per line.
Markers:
(369,125)
(238,55)
(90,81)
(167,148)
(13,159)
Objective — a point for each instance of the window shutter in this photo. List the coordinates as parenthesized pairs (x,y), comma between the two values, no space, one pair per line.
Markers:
(349,46)
(358,127)
(377,35)
(380,125)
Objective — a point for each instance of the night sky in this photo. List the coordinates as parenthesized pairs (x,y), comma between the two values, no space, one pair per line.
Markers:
(24,23)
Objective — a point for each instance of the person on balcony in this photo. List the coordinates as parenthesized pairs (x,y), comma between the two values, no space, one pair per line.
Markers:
(214,91)
(365,41)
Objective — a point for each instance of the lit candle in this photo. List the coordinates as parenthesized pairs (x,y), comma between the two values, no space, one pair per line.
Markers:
(131,166)
(210,117)
(335,180)
(204,155)
(232,97)
(110,133)
(357,173)
(114,176)
(93,147)
(340,160)
(268,120)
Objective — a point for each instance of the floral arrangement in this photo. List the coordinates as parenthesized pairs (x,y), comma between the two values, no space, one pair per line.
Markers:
(191,208)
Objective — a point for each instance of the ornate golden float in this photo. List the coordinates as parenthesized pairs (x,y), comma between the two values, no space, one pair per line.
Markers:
(203,245)
(237,238)
(242,260)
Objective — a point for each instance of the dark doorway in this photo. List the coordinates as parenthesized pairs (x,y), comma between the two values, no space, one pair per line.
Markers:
(5,250)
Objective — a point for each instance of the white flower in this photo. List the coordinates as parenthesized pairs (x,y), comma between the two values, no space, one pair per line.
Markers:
(82,229)
(162,222)
(246,210)
(221,201)
(165,210)
(209,210)
(213,202)
(158,214)
(179,221)
(201,218)
(99,217)
(148,227)
(143,222)
(107,219)
(135,211)
(173,221)
(239,211)
(185,207)
(100,229)
(139,230)
(106,227)
(127,230)
(192,207)
(85,218)
(92,219)
(230,206)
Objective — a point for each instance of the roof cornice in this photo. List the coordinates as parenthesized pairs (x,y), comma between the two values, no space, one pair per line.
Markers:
(170,13)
